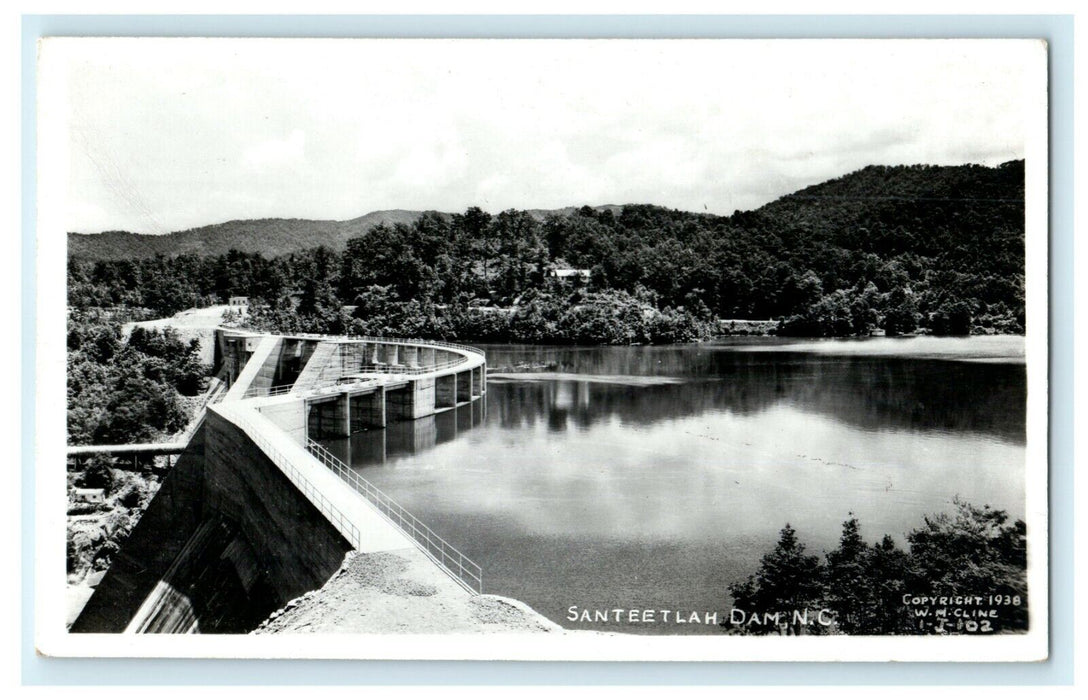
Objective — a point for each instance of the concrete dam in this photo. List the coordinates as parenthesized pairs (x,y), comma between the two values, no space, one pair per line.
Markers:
(255,512)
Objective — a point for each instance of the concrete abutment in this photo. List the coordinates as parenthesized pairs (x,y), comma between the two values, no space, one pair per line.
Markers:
(464,387)
(230,509)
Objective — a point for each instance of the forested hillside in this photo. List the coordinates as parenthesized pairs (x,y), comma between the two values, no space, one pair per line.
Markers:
(266,236)
(893,248)
(123,390)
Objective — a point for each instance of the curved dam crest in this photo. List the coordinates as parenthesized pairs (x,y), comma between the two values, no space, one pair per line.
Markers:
(254,513)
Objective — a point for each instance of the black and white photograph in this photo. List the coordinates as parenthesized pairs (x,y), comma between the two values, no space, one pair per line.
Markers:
(542,349)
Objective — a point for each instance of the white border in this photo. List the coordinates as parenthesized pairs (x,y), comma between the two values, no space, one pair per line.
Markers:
(52,639)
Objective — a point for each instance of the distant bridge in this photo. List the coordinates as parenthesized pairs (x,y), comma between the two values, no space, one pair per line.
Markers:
(78,454)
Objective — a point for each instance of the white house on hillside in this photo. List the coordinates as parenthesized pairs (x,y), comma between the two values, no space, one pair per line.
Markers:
(570,273)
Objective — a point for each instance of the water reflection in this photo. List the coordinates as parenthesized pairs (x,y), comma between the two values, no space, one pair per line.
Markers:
(868,393)
(623,477)
(406,438)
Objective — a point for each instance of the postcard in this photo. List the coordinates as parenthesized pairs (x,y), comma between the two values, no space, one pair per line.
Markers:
(542,349)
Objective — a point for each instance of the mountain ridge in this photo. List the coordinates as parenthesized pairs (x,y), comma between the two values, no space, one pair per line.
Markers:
(836,198)
(269,236)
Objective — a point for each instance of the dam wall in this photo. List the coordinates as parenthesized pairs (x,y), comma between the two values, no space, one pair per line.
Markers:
(255,513)
(297,547)
(228,540)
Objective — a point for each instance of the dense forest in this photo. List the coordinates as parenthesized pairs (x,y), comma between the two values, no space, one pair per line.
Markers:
(882,589)
(900,249)
(127,390)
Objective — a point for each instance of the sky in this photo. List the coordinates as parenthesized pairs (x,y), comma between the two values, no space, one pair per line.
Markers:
(170,134)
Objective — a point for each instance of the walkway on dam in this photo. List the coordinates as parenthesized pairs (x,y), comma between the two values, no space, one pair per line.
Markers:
(343,385)
(361,525)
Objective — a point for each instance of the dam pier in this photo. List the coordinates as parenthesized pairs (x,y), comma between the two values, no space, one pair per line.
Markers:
(255,511)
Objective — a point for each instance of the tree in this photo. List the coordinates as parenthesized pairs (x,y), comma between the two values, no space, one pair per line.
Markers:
(863,312)
(164,357)
(831,316)
(317,296)
(788,580)
(865,584)
(951,318)
(140,408)
(887,571)
(849,588)
(97,474)
(974,549)
(123,393)
(971,552)
(940,244)
(804,291)
(900,311)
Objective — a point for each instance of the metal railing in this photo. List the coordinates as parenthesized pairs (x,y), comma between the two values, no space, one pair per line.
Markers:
(317,388)
(370,367)
(333,514)
(381,339)
(267,391)
(381,368)
(462,569)
(350,366)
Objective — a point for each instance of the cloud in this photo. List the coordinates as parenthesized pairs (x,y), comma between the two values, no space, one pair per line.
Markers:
(276,153)
(334,129)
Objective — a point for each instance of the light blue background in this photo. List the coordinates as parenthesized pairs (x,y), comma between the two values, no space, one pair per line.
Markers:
(1058,30)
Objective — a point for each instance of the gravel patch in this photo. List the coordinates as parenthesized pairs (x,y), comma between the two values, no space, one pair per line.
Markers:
(399,592)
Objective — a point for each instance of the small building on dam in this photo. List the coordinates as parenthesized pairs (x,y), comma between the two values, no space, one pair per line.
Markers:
(255,512)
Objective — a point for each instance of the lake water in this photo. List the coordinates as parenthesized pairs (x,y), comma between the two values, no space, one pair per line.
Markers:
(652,477)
